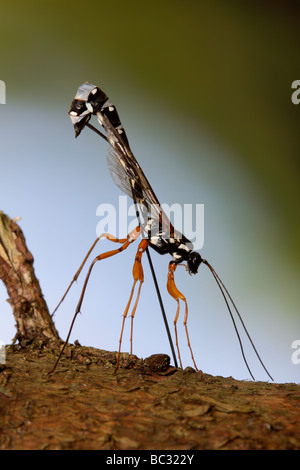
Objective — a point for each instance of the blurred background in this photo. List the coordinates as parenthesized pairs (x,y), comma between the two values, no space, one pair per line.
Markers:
(204,92)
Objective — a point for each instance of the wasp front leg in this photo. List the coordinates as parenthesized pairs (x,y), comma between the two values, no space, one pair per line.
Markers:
(176,294)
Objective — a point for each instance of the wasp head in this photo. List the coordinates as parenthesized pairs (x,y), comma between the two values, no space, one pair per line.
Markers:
(193,262)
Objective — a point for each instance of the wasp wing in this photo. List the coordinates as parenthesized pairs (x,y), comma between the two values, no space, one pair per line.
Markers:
(124,168)
(130,178)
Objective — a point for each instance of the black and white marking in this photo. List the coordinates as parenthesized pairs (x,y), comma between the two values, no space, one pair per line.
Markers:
(129,177)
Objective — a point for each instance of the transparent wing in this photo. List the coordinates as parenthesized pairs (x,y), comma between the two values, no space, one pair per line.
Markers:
(129,177)
(121,177)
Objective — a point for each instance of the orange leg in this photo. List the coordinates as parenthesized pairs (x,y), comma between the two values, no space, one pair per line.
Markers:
(138,275)
(176,294)
(130,239)
(108,236)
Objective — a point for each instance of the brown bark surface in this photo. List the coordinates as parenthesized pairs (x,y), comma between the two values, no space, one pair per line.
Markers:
(145,405)
(30,310)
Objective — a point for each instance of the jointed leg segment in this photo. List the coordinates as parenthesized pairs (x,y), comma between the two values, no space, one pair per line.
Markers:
(131,237)
(138,275)
(176,294)
(109,237)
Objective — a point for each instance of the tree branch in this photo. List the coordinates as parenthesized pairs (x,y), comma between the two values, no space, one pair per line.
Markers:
(33,321)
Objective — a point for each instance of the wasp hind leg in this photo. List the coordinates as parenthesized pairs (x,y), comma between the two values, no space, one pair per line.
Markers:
(138,275)
(177,295)
(131,237)
(109,237)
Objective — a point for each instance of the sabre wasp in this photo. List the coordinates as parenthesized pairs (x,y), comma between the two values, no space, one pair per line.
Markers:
(155,229)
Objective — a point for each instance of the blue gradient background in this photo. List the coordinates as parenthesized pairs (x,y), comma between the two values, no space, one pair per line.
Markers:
(204,92)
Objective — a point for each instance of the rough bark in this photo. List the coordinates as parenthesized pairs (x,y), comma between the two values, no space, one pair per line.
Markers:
(146,405)
(30,310)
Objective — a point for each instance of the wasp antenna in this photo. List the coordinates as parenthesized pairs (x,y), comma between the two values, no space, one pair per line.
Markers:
(224,291)
(231,315)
